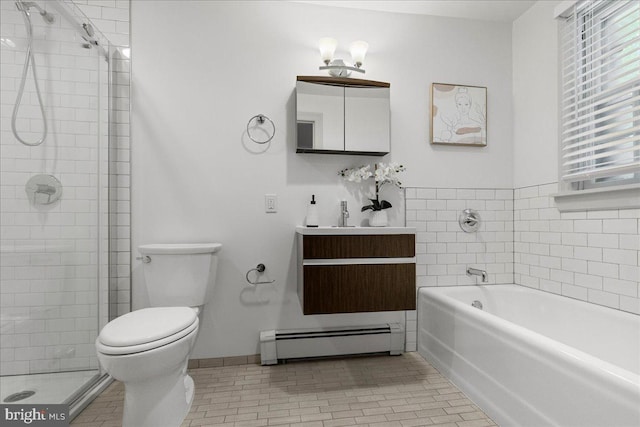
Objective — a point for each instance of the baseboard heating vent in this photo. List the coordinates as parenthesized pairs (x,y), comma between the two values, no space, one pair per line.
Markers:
(297,343)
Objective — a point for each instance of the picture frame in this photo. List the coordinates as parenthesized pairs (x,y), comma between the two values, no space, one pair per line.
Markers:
(458,115)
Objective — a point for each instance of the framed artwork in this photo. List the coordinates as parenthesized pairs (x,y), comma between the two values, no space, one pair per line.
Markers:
(458,115)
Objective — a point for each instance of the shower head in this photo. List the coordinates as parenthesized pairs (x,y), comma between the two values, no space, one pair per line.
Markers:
(88,36)
(25,6)
(88,28)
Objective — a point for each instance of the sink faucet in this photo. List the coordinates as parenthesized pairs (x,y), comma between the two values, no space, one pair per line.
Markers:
(344,214)
(475,272)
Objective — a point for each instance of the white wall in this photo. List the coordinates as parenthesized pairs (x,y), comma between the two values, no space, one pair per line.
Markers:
(535,96)
(200,70)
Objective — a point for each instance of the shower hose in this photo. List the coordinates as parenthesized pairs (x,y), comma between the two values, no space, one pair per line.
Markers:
(29,60)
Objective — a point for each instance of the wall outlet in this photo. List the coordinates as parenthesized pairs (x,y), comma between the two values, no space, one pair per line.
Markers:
(270,203)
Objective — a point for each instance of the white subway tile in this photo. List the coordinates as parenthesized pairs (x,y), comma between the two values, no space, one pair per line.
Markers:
(573,291)
(588,281)
(604,298)
(621,287)
(620,256)
(587,253)
(630,241)
(620,226)
(548,189)
(573,215)
(410,193)
(465,194)
(602,214)
(426,193)
(587,226)
(602,240)
(446,193)
(574,239)
(415,204)
(630,304)
(575,265)
(529,192)
(603,269)
(488,194)
(630,272)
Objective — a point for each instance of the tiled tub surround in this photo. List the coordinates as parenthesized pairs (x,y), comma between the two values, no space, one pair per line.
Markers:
(525,359)
(592,256)
(444,250)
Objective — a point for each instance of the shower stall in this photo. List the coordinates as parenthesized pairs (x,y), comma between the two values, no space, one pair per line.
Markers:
(64,208)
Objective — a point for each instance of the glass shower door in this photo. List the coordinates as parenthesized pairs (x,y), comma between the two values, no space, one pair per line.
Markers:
(54,248)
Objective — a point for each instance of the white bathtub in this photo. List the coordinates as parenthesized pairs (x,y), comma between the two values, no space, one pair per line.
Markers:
(531,358)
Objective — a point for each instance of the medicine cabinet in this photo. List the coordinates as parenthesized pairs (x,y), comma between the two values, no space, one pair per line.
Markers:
(337,115)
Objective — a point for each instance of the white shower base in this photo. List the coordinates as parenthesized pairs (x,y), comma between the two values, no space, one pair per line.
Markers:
(51,388)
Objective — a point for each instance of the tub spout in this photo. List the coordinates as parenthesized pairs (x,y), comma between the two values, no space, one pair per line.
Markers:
(476,272)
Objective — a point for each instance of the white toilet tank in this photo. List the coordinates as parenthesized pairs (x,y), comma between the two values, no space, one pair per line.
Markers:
(179,274)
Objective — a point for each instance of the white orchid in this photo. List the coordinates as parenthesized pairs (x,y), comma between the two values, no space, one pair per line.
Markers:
(356,174)
(388,174)
(384,174)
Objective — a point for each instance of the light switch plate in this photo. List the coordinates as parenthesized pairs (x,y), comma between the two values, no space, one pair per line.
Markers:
(270,203)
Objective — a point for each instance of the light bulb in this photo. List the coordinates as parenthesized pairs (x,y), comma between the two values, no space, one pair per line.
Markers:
(327,47)
(358,51)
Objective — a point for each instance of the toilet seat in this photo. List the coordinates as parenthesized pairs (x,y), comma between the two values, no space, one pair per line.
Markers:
(146,329)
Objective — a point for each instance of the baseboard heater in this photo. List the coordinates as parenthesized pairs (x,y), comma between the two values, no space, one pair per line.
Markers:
(298,343)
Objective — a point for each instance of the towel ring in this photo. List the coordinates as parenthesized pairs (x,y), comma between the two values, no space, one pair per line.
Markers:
(260,268)
(261,118)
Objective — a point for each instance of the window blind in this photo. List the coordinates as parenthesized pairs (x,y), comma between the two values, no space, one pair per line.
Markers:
(600,92)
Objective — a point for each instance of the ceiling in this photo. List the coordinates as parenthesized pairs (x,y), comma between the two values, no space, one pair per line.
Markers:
(485,10)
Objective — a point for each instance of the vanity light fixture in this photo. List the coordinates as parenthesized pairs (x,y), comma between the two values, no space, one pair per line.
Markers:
(337,67)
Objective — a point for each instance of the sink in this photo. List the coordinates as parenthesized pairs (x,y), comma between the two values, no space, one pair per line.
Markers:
(334,230)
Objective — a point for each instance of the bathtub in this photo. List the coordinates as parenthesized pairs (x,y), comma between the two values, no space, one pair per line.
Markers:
(531,358)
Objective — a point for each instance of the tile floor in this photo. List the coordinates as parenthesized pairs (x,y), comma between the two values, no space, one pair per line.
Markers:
(366,391)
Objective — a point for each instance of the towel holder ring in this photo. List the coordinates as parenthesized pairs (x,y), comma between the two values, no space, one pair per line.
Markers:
(260,268)
(261,119)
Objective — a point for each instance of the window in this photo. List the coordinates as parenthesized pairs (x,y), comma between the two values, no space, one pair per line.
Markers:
(600,93)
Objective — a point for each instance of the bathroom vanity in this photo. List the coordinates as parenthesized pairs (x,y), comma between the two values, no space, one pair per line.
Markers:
(356,269)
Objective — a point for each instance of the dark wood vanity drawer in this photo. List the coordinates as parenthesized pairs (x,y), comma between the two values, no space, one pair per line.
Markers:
(359,246)
(353,288)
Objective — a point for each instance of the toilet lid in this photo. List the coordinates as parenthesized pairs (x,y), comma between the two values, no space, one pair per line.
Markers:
(146,326)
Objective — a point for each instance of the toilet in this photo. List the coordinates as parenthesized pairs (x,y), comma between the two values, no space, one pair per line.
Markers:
(148,349)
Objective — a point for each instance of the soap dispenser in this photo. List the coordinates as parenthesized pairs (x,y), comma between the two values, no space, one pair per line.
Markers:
(312,213)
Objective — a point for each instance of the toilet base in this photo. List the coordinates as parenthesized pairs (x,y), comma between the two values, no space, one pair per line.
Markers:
(160,402)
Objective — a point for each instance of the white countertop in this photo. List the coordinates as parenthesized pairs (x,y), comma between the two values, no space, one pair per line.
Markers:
(330,231)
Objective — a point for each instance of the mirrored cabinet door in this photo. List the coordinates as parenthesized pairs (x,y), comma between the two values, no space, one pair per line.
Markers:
(339,115)
(320,117)
(366,117)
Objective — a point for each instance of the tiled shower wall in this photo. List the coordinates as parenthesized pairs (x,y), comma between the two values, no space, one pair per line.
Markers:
(50,257)
(444,250)
(592,256)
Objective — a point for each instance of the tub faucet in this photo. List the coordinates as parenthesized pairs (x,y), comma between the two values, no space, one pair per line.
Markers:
(344,214)
(475,272)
